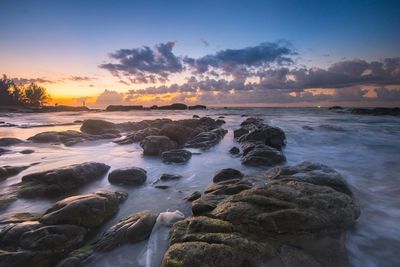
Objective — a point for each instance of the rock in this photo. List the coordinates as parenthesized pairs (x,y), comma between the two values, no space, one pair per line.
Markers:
(88,211)
(287,222)
(335,108)
(376,111)
(193,196)
(161,186)
(271,136)
(28,258)
(176,156)
(314,173)
(308,128)
(220,122)
(27,151)
(98,127)
(10,141)
(68,138)
(168,177)
(196,117)
(207,139)
(221,117)
(239,132)
(60,181)
(8,171)
(128,176)
(156,145)
(197,107)
(20,217)
(262,155)
(138,136)
(123,108)
(132,229)
(234,150)
(175,106)
(53,237)
(176,132)
(227,174)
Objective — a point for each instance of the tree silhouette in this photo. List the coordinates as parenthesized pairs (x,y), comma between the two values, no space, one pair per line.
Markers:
(36,95)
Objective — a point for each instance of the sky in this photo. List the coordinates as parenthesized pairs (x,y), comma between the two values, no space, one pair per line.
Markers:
(219,53)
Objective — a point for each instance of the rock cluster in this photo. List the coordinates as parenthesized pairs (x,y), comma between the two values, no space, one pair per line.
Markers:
(261,143)
(298,218)
(34,240)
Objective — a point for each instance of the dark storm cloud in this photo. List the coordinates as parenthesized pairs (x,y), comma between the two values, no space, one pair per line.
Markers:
(144,65)
(230,60)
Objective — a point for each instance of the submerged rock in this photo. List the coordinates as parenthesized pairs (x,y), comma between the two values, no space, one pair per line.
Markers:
(271,136)
(88,211)
(128,176)
(168,177)
(287,222)
(156,145)
(176,156)
(61,180)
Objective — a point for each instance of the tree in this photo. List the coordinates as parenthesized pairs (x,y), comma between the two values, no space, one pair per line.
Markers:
(36,95)
(6,88)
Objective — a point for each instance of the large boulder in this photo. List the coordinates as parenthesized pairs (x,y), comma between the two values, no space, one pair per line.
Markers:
(176,156)
(261,155)
(286,222)
(98,127)
(268,135)
(128,176)
(311,172)
(176,132)
(207,139)
(155,145)
(62,180)
(88,211)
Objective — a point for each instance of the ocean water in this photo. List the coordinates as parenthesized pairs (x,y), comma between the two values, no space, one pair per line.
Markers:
(364,149)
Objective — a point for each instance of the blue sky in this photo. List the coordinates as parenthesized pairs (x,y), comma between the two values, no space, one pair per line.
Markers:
(63,38)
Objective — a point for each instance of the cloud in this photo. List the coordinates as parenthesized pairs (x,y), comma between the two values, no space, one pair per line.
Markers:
(81,78)
(204,42)
(108,97)
(234,61)
(23,81)
(145,65)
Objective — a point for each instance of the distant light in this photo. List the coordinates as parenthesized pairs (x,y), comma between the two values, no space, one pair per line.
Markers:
(318,106)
